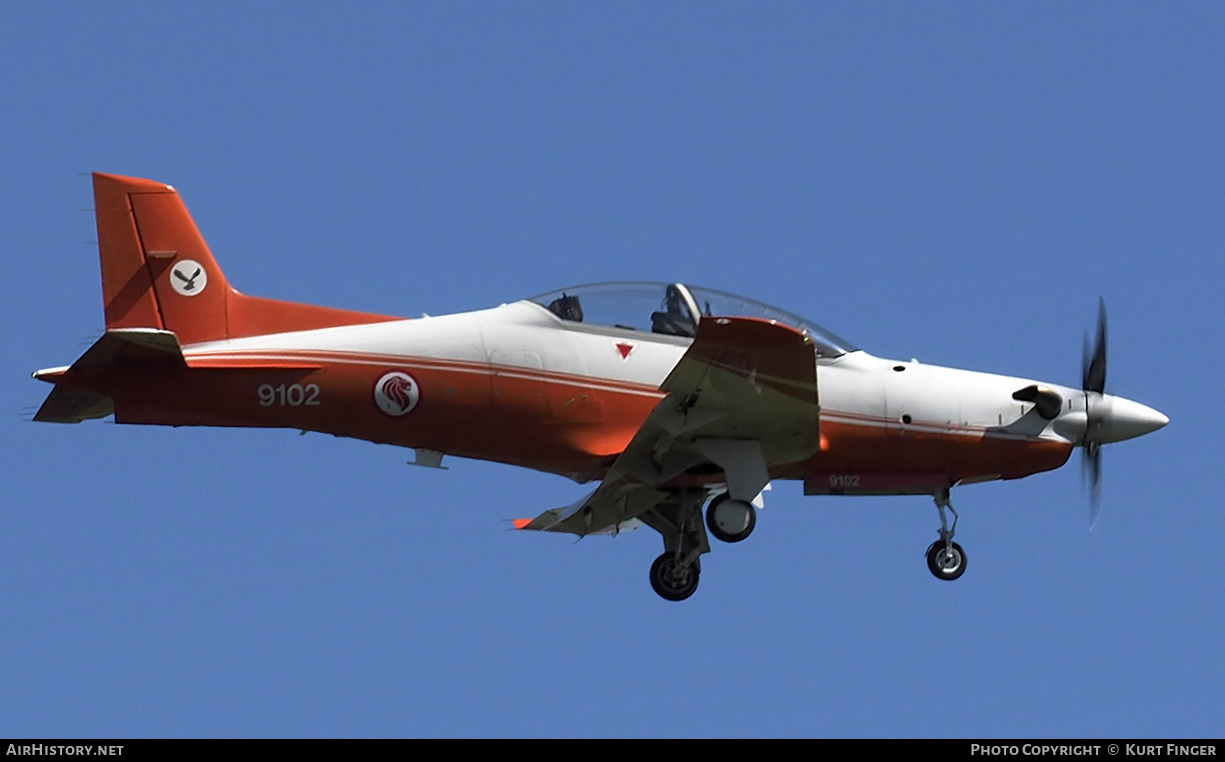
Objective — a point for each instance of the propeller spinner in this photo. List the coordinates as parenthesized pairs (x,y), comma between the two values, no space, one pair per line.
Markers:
(1107,418)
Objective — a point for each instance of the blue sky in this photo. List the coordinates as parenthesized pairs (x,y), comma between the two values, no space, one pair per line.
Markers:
(956,182)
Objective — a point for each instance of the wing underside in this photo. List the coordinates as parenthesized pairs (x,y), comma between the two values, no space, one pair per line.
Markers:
(743,398)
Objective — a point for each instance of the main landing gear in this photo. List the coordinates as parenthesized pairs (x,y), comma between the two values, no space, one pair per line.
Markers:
(673,580)
(674,575)
(945,558)
(730,520)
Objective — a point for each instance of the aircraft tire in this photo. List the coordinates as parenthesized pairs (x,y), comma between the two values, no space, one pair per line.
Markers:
(721,532)
(668,583)
(944,568)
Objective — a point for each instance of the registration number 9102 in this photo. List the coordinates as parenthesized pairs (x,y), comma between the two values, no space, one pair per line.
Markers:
(288,395)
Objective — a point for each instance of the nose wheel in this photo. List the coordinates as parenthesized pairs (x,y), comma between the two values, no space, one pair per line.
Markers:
(945,558)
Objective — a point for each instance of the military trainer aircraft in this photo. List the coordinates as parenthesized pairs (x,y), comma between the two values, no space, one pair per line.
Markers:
(668,397)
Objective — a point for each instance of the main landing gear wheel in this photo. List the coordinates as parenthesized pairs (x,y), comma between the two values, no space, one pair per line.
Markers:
(672,583)
(946,560)
(730,520)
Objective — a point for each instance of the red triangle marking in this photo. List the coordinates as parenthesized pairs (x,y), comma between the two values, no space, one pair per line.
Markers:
(624,349)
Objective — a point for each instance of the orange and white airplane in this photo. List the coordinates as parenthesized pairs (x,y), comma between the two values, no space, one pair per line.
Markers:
(669,397)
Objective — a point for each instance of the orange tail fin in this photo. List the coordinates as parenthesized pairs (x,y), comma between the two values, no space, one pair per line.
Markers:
(157,272)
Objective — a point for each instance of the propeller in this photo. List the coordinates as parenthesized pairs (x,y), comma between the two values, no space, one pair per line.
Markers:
(1093,382)
(1106,418)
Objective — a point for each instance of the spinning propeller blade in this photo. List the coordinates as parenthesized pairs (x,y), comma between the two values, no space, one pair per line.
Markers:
(1093,382)
(1093,367)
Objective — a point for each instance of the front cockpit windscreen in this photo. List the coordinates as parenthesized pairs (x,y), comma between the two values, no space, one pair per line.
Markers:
(673,309)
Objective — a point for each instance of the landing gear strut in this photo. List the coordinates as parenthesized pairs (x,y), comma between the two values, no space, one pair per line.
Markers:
(945,558)
(674,575)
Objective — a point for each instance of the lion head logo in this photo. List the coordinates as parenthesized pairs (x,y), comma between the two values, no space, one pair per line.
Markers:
(396,393)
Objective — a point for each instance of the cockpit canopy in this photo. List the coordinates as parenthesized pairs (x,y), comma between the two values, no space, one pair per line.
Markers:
(674,309)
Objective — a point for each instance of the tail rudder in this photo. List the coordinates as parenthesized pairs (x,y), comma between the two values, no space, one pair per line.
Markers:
(157,272)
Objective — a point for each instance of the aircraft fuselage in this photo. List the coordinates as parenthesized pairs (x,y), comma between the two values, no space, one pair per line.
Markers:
(517,385)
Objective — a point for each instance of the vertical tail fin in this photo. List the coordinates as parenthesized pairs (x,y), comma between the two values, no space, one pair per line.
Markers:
(157,272)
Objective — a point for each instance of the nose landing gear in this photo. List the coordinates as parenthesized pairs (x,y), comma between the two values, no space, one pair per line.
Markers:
(945,558)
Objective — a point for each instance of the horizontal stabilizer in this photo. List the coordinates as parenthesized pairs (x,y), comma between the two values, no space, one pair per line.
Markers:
(147,348)
(143,346)
(64,405)
(151,347)
(138,346)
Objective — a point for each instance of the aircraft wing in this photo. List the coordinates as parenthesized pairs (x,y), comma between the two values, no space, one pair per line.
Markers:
(743,397)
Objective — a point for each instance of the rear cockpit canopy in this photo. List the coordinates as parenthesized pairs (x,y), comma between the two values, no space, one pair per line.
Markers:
(673,309)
